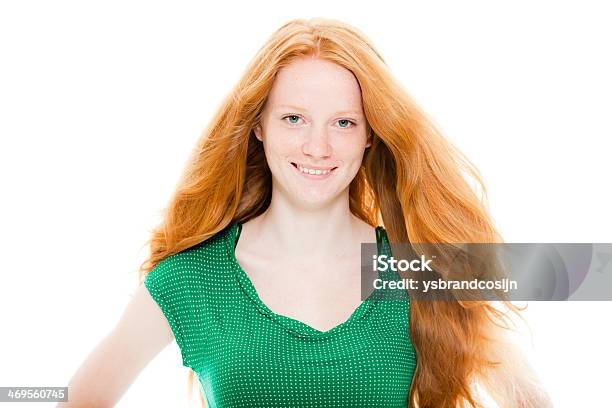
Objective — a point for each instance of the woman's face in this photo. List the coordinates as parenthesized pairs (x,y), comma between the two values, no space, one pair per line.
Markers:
(313,122)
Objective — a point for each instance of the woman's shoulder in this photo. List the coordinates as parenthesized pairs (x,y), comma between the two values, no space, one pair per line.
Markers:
(185,283)
(197,264)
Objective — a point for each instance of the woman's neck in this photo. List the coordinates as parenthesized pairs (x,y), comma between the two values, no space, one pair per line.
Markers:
(319,233)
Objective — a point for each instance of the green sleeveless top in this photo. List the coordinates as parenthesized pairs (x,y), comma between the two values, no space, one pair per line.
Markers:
(245,355)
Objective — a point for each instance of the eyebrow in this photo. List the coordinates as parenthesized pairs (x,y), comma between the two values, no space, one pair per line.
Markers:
(298,108)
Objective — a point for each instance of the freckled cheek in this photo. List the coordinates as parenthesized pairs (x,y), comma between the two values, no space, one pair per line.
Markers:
(349,151)
(283,144)
(279,147)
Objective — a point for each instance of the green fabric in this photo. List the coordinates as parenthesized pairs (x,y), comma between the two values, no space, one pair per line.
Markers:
(245,355)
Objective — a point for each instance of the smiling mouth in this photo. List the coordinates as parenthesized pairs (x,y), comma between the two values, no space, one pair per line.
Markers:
(313,171)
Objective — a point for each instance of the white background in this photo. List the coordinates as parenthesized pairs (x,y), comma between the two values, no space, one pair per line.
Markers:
(101,103)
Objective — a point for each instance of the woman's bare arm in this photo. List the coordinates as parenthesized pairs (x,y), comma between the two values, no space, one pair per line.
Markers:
(113,365)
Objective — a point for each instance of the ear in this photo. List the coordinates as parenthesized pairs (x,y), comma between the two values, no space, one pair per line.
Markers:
(369,142)
(257,131)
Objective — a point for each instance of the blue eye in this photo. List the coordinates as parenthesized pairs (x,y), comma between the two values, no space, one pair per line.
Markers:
(291,116)
(348,121)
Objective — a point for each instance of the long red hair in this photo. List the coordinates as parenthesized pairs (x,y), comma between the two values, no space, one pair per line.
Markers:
(412,181)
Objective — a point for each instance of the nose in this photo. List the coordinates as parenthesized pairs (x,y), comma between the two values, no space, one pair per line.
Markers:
(316,144)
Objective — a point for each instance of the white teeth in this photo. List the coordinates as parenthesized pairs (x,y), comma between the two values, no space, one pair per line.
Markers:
(312,171)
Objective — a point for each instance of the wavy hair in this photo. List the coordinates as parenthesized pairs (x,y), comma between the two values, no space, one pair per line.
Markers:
(412,181)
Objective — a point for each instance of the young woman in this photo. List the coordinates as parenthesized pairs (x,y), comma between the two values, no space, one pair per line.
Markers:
(255,270)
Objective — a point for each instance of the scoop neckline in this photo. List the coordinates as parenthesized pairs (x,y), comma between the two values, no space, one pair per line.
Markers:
(298,327)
